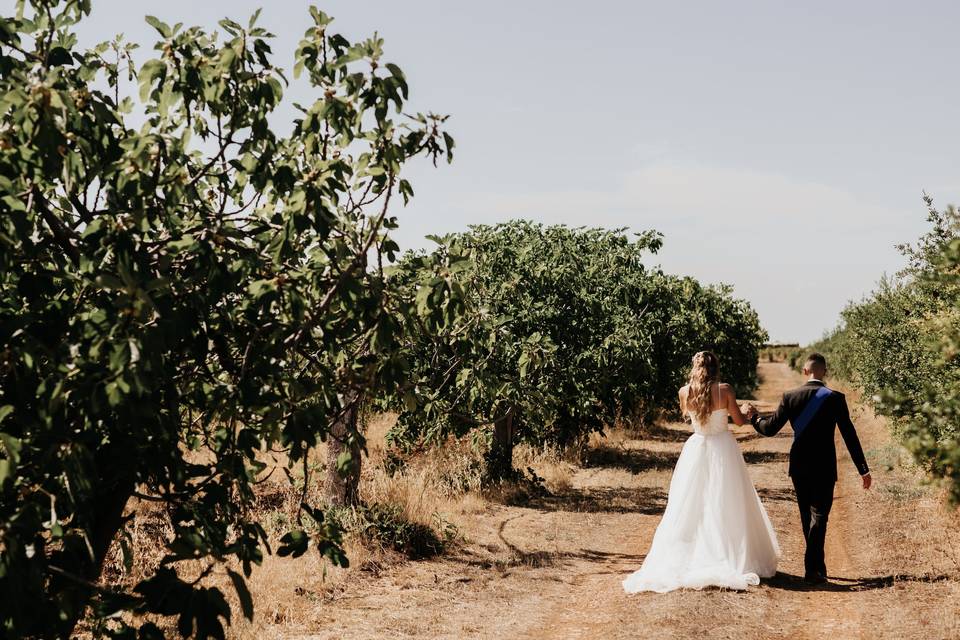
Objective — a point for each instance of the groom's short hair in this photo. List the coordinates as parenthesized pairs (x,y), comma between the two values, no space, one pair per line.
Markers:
(816,360)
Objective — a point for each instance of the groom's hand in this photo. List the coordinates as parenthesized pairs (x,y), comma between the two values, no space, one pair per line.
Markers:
(867,481)
(748,410)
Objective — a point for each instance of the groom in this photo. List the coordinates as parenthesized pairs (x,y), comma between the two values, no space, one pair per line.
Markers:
(814,411)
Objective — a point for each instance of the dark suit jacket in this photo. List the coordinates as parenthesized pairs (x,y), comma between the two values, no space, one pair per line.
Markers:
(813,454)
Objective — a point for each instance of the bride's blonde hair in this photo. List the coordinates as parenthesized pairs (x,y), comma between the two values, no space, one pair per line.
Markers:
(704,372)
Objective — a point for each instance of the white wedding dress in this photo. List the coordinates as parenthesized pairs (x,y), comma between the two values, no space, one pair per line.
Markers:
(714,532)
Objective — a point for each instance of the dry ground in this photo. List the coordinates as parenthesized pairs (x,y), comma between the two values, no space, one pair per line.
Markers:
(552,568)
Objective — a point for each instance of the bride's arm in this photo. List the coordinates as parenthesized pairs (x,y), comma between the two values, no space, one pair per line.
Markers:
(683,400)
(732,408)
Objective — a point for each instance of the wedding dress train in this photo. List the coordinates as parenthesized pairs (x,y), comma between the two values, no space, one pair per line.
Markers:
(714,532)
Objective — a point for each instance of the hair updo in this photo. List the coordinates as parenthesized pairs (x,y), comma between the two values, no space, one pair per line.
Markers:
(704,372)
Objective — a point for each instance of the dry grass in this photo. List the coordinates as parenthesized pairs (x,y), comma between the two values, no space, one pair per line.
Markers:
(548,562)
(555,470)
(438,488)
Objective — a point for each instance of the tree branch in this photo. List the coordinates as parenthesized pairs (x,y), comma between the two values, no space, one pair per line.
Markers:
(359,259)
(61,233)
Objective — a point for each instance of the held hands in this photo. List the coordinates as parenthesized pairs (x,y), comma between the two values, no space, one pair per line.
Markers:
(749,412)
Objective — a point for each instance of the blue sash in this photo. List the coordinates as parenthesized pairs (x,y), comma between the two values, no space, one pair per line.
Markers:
(803,420)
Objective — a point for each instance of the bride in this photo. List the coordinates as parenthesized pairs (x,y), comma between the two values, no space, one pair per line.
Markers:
(714,531)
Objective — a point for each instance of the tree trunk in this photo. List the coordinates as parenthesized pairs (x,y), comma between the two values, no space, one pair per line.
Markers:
(342,488)
(77,571)
(500,457)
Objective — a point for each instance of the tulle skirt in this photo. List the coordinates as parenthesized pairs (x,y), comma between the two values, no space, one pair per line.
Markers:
(714,532)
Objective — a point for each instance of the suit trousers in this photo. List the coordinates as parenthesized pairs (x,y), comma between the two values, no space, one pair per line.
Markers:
(815,498)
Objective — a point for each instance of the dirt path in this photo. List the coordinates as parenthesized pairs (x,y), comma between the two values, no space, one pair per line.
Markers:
(552,569)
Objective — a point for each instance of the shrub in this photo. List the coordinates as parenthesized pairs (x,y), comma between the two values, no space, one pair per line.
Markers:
(901,345)
(387,526)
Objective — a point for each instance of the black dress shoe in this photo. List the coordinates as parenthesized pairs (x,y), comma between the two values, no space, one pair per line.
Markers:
(815,578)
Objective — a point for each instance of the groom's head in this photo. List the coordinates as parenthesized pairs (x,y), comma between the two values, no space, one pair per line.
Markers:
(815,366)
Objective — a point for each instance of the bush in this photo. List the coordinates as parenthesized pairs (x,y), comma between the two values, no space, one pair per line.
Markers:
(901,345)
(561,332)
(386,526)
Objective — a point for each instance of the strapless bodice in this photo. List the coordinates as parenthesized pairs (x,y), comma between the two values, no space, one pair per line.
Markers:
(715,424)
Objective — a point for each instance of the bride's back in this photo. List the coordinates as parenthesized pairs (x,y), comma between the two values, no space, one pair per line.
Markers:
(716,420)
(716,423)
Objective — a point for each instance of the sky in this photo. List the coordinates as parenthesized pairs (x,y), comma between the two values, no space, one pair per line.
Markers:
(781,147)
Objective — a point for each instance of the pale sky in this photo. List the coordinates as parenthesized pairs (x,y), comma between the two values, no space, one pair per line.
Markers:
(781,147)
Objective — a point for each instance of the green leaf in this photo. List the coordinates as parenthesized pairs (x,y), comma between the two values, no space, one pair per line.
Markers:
(8,465)
(406,190)
(399,77)
(344,462)
(523,363)
(58,56)
(448,141)
(7,34)
(293,544)
(161,27)
(150,70)
(230,26)
(109,282)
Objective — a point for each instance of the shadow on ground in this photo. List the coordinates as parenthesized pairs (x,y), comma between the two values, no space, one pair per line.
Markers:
(537,558)
(789,582)
(767,493)
(761,457)
(661,433)
(645,500)
(633,460)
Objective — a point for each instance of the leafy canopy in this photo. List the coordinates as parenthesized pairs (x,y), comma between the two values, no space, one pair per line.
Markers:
(179,297)
(566,330)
